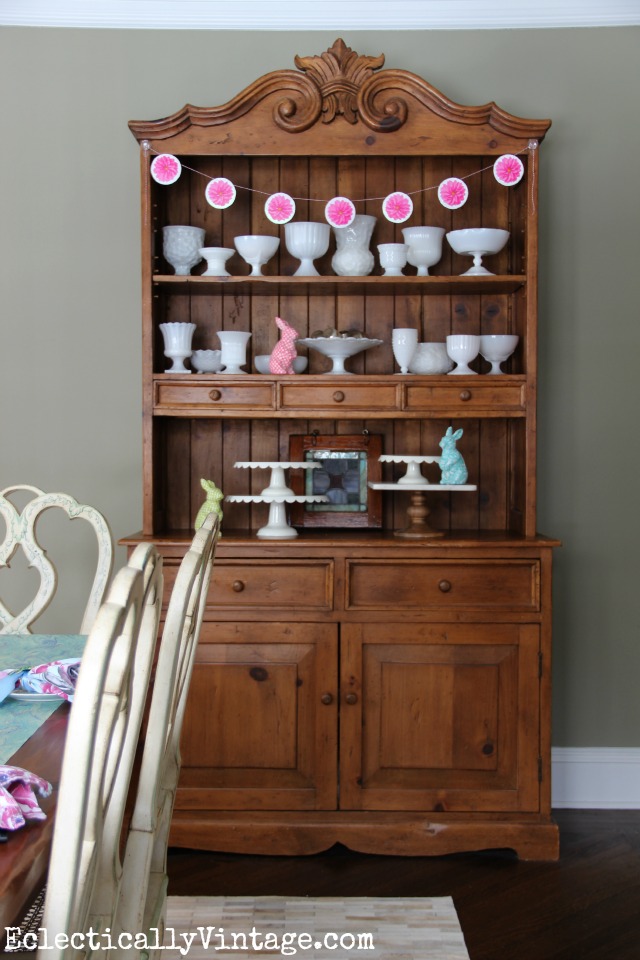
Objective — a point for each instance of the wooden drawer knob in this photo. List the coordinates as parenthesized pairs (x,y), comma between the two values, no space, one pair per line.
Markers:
(215,394)
(326,698)
(444,586)
(465,395)
(351,698)
(237,586)
(338,396)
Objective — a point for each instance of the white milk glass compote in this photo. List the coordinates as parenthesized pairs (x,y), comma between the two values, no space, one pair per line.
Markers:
(256,250)
(404,343)
(216,258)
(393,257)
(496,348)
(181,247)
(177,344)
(463,348)
(306,241)
(425,247)
(477,242)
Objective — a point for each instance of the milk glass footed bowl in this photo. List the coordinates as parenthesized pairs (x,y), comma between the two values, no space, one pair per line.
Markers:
(477,242)
(425,247)
(306,241)
(463,348)
(256,250)
(206,361)
(497,347)
(181,247)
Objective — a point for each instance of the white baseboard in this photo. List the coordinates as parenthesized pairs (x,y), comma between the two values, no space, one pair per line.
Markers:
(596,778)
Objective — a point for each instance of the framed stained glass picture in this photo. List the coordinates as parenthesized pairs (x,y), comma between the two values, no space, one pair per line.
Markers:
(346,464)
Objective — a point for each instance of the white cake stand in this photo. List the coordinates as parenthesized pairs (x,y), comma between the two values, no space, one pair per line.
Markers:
(413,474)
(276,494)
(418,526)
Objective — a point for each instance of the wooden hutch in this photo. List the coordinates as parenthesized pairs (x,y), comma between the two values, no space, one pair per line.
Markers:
(353,686)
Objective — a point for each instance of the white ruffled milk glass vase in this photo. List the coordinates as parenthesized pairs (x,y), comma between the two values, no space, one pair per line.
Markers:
(353,257)
(181,247)
(177,344)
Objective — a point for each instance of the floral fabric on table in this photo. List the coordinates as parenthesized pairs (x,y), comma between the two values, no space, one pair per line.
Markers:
(18,802)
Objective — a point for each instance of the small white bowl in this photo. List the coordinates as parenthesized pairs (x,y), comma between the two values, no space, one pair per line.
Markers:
(261,363)
(431,358)
(206,361)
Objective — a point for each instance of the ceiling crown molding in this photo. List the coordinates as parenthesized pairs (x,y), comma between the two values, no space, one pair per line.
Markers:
(319,14)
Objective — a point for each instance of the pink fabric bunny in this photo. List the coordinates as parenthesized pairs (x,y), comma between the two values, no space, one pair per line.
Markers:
(284,352)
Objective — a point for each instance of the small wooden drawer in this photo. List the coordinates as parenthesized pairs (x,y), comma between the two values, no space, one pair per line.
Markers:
(445,584)
(172,395)
(317,396)
(465,399)
(290,584)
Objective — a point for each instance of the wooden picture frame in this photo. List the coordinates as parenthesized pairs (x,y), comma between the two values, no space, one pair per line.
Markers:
(352,461)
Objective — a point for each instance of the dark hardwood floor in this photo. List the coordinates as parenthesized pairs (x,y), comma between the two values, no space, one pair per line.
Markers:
(584,907)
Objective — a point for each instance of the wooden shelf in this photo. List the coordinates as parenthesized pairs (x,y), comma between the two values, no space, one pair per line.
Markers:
(323,286)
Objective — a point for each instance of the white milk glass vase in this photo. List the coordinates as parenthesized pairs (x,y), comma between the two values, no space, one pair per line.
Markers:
(177,344)
(181,247)
(353,257)
(234,350)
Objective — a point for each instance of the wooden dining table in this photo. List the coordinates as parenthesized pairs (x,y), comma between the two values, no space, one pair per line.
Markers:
(24,857)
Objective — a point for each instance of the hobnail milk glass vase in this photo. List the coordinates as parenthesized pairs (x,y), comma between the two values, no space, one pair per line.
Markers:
(353,257)
(181,247)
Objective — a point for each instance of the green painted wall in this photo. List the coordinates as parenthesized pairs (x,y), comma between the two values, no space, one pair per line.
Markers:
(69,275)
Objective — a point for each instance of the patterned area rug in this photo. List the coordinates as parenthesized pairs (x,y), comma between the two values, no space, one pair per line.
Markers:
(418,928)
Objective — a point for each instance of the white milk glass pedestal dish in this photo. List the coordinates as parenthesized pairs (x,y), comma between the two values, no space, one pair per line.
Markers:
(414,474)
(306,241)
(181,247)
(233,355)
(477,242)
(216,258)
(177,344)
(404,342)
(339,349)
(276,494)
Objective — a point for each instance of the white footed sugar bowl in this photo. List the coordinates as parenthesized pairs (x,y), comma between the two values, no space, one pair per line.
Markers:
(432,358)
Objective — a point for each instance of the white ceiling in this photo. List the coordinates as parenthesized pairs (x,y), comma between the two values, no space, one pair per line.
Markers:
(319,14)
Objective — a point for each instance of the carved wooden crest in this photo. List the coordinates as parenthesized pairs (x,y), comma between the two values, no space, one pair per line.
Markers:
(339,73)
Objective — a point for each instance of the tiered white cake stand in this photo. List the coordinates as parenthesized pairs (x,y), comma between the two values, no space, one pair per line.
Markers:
(418,526)
(276,494)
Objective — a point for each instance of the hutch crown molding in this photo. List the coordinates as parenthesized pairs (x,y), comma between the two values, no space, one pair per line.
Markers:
(351,685)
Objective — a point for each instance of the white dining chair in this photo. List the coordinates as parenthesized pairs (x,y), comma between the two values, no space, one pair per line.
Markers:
(143,889)
(105,721)
(21,531)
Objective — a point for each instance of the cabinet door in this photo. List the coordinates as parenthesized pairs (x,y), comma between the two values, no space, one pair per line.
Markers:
(440,717)
(261,719)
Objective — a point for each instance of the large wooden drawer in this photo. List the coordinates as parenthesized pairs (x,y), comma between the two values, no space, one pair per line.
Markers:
(289,584)
(467,400)
(362,397)
(187,394)
(419,584)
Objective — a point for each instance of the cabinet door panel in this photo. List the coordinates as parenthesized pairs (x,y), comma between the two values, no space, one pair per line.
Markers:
(440,717)
(261,720)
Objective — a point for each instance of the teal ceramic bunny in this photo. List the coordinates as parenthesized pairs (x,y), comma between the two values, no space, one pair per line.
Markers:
(452,465)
